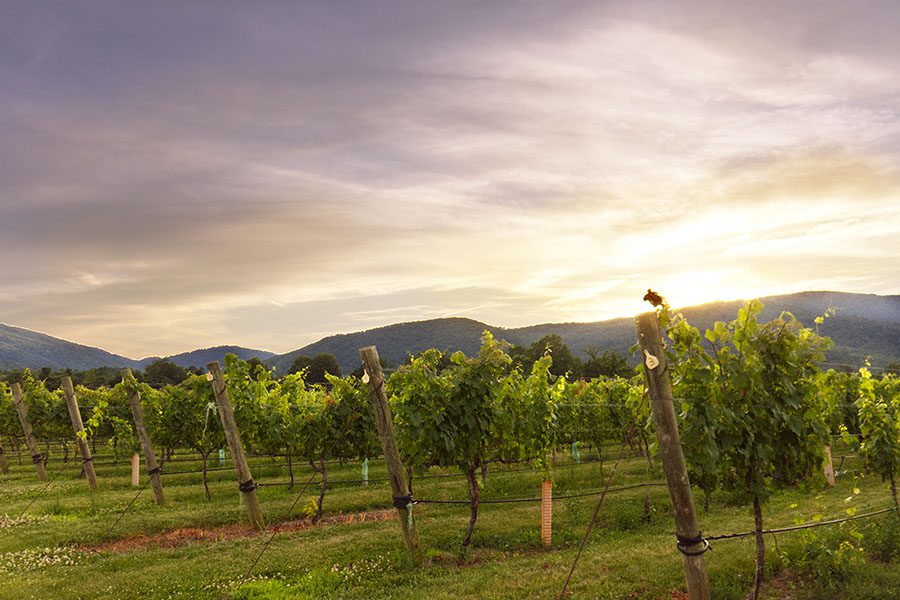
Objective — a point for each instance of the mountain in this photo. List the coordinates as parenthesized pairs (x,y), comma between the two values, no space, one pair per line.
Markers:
(25,348)
(200,358)
(21,348)
(394,342)
(864,325)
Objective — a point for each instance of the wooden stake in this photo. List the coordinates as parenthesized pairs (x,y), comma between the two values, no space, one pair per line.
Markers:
(135,470)
(241,468)
(36,457)
(397,473)
(4,465)
(137,411)
(662,406)
(75,415)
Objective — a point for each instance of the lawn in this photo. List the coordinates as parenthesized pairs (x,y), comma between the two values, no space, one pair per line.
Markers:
(67,546)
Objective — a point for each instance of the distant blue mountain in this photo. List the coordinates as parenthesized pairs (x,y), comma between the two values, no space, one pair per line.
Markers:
(865,325)
(21,348)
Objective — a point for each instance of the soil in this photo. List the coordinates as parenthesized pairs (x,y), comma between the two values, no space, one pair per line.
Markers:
(191,535)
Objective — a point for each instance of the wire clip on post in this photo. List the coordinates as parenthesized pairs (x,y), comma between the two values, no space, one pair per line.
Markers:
(36,458)
(684,542)
(248,486)
(154,471)
(402,501)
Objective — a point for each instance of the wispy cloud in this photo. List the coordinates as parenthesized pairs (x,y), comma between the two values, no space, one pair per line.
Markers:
(186,175)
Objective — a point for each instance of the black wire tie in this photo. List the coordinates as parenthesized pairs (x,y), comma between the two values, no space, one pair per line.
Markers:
(36,458)
(684,542)
(87,460)
(248,486)
(154,471)
(402,501)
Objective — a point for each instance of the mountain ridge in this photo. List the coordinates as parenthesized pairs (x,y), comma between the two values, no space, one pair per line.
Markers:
(875,332)
(864,325)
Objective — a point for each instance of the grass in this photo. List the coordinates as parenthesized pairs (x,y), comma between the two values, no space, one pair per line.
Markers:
(51,553)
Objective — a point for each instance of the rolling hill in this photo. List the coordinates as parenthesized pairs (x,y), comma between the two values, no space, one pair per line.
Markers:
(864,325)
(20,348)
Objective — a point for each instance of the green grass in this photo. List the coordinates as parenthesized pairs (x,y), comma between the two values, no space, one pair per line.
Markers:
(629,555)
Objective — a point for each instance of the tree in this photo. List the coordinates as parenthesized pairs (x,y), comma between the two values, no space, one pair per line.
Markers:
(164,372)
(608,364)
(321,364)
(300,363)
(564,362)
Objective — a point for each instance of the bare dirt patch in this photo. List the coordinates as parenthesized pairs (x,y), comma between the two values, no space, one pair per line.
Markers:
(191,535)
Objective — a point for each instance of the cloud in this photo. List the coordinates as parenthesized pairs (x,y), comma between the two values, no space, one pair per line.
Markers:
(179,177)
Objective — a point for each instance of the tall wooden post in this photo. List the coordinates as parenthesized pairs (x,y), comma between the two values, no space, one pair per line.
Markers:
(36,457)
(80,439)
(241,468)
(137,411)
(402,497)
(829,467)
(662,406)
(4,465)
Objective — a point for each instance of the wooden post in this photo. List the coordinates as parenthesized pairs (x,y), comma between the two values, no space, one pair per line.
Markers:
(4,465)
(135,470)
(137,411)
(241,468)
(829,467)
(36,457)
(75,415)
(547,513)
(402,498)
(662,405)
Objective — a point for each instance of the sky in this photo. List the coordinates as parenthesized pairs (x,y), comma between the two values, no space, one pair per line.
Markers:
(177,175)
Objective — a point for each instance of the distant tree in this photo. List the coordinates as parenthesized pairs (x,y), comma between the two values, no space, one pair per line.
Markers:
(608,364)
(300,363)
(319,365)
(255,362)
(164,372)
(563,359)
(100,377)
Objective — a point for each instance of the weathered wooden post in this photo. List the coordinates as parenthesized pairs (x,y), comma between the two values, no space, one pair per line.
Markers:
(137,411)
(241,468)
(829,467)
(36,457)
(4,465)
(402,498)
(87,460)
(687,531)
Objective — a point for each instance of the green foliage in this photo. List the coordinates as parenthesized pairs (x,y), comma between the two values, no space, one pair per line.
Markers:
(607,364)
(564,362)
(839,393)
(47,410)
(452,417)
(882,538)
(879,426)
(316,369)
(827,556)
(750,412)
(163,372)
